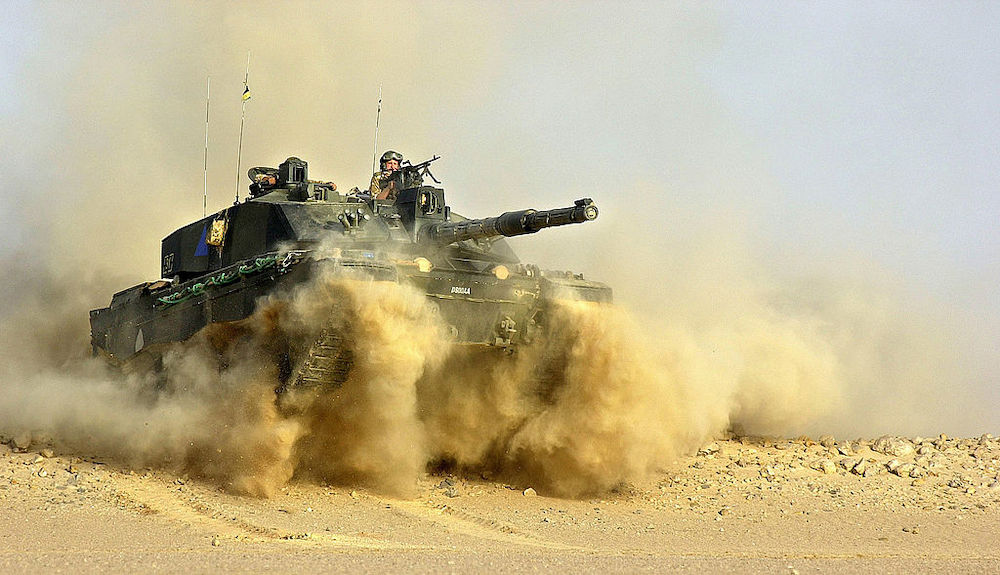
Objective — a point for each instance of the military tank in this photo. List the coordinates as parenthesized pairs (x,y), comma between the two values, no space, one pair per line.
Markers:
(215,271)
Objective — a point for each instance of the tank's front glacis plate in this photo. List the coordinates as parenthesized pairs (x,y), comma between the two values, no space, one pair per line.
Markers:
(480,308)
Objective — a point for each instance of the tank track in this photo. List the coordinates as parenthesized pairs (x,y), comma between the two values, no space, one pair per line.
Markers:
(328,361)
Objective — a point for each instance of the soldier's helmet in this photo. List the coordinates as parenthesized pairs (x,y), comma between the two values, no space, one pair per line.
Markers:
(390,155)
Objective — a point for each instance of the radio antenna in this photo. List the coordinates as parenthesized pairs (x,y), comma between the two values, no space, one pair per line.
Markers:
(243,113)
(378,114)
(208,98)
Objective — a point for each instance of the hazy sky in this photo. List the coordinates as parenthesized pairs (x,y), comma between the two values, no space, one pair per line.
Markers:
(844,140)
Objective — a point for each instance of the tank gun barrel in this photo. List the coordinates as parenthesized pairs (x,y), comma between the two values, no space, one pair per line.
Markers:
(513,223)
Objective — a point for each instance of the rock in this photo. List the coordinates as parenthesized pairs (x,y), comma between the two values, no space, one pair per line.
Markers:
(892,464)
(848,463)
(22,441)
(47,453)
(709,449)
(860,468)
(823,465)
(917,472)
(451,492)
(530,492)
(903,469)
(925,450)
(827,441)
(895,446)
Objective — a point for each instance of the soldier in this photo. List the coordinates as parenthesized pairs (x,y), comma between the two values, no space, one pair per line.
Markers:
(385,182)
(264,180)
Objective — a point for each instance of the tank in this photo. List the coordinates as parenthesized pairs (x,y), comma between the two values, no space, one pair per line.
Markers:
(217,270)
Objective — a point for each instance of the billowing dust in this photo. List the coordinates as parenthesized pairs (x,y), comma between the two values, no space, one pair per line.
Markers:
(591,402)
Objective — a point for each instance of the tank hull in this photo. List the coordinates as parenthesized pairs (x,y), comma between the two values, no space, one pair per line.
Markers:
(480,308)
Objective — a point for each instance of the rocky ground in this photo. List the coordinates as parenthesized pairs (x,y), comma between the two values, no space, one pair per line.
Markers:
(740,504)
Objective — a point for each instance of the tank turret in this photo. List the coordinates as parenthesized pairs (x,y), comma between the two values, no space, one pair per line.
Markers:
(511,224)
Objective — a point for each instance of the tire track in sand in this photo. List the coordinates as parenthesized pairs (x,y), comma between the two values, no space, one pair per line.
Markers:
(150,495)
(462,522)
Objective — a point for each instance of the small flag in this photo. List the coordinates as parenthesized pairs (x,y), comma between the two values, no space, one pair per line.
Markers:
(246,92)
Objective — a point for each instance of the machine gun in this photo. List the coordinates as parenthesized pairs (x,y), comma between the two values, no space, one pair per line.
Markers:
(512,223)
(414,173)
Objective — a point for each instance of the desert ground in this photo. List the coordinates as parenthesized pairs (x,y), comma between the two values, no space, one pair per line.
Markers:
(927,505)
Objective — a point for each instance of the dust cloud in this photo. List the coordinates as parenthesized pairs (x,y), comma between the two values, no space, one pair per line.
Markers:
(591,403)
(105,144)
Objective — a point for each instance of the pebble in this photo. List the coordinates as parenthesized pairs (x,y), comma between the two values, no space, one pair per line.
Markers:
(47,453)
(847,463)
(709,449)
(895,446)
(827,441)
(530,492)
(827,467)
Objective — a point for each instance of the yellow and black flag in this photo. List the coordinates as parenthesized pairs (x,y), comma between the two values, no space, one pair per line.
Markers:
(246,92)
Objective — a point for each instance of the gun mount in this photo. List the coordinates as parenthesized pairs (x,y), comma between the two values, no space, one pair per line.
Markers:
(511,224)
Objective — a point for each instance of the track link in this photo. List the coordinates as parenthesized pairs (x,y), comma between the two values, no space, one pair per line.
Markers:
(328,361)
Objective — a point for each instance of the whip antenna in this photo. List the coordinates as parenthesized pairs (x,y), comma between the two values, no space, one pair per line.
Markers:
(208,98)
(378,115)
(243,113)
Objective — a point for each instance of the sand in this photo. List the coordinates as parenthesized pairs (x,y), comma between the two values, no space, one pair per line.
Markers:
(738,505)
